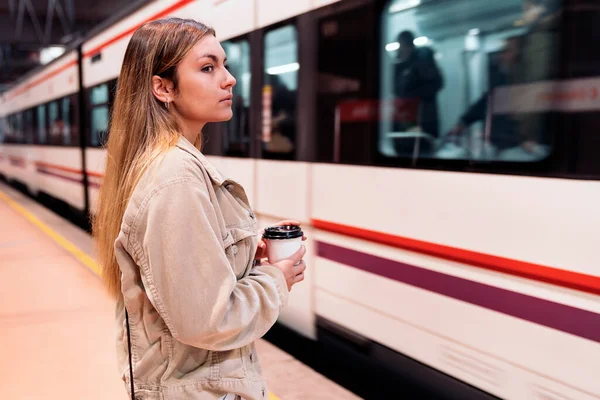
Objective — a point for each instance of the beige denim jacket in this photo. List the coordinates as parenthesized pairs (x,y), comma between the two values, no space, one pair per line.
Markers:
(195,301)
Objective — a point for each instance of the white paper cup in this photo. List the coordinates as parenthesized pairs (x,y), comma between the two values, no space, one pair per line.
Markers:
(282,242)
(280,249)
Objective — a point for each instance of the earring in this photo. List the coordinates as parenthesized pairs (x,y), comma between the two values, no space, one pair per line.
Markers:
(167,105)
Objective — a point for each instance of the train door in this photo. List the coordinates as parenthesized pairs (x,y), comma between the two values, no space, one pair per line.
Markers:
(346,63)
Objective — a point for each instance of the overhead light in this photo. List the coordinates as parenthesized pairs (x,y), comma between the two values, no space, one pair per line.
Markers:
(48,54)
(283,69)
(402,5)
(392,46)
(474,32)
(421,41)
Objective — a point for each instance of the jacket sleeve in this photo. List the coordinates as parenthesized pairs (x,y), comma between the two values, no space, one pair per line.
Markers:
(187,276)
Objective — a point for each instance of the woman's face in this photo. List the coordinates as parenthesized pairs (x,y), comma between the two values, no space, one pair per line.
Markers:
(205,85)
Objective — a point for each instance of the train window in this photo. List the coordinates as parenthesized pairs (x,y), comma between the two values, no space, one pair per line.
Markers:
(17,128)
(99,99)
(8,131)
(99,125)
(28,127)
(235,133)
(99,94)
(279,92)
(41,124)
(2,129)
(67,118)
(55,123)
(456,80)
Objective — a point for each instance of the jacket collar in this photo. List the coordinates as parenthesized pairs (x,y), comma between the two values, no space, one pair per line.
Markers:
(213,172)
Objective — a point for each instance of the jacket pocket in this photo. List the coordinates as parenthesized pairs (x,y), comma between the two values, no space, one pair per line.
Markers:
(240,246)
(228,364)
(253,368)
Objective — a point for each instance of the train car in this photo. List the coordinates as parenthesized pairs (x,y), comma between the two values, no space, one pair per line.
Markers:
(41,148)
(440,156)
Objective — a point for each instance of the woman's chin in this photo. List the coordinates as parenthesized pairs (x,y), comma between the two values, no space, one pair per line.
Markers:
(224,116)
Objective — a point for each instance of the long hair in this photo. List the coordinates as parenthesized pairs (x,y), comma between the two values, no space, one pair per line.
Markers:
(141,128)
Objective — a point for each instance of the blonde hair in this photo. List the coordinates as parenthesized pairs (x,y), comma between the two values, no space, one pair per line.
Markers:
(141,128)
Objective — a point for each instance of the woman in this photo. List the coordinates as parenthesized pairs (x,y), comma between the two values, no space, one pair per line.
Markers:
(177,241)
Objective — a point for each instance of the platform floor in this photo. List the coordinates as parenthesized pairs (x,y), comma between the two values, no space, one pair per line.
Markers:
(57,322)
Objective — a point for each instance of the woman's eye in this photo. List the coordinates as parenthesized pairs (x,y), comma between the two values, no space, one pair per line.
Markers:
(208,68)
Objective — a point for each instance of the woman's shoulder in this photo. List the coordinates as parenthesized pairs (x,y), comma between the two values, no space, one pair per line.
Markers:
(165,173)
(175,165)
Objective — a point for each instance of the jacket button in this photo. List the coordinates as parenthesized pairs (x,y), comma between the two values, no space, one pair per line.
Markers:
(234,249)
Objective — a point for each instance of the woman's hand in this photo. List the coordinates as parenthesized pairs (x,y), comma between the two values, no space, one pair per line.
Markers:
(292,267)
(261,250)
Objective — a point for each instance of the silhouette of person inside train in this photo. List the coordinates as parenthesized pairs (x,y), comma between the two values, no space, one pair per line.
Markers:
(504,130)
(417,76)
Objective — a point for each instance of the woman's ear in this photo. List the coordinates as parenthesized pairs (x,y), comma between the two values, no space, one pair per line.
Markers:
(163,89)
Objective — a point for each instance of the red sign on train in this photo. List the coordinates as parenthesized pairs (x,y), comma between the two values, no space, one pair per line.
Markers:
(399,110)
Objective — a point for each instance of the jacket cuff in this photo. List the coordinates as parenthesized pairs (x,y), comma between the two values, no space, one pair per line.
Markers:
(280,283)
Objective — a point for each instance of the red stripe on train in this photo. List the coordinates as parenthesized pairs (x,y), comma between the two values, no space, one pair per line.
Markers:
(555,276)
(66,169)
(41,79)
(129,31)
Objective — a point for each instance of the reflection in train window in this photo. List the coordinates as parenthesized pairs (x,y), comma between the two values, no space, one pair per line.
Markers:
(41,124)
(99,94)
(99,125)
(66,118)
(2,129)
(448,79)
(99,100)
(9,135)
(55,124)
(18,128)
(28,127)
(235,133)
(279,93)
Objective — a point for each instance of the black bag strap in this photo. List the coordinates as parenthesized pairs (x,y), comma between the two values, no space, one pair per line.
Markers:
(129,351)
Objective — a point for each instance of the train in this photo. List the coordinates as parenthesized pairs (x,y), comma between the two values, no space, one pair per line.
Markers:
(441,156)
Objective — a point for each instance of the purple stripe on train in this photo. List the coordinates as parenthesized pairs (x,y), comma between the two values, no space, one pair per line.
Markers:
(578,322)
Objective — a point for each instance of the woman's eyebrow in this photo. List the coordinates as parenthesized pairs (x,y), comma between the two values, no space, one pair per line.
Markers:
(212,57)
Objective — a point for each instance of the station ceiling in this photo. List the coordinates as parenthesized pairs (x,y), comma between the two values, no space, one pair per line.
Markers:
(29,26)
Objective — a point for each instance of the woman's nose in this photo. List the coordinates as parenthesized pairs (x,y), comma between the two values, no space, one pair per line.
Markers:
(229,79)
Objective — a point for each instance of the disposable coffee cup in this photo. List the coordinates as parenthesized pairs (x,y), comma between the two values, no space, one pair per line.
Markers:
(282,241)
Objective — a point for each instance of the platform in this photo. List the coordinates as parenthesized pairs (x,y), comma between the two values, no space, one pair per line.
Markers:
(57,322)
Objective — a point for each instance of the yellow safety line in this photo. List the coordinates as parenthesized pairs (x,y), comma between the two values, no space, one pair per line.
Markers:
(64,243)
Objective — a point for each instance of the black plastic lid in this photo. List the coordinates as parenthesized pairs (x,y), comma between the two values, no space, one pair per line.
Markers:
(283,232)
